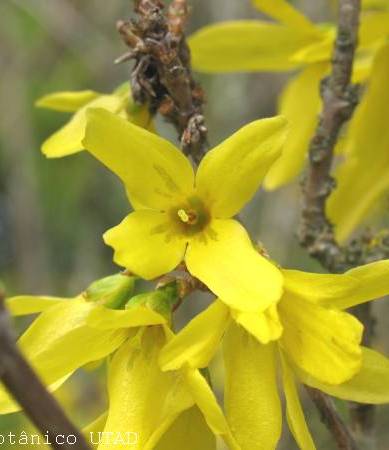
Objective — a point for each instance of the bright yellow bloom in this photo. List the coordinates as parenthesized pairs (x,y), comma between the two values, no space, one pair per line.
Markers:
(293,42)
(315,340)
(155,405)
(179,216)
(362,176)
(67,140)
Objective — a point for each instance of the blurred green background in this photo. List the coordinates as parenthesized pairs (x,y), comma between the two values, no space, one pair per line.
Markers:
(53,212)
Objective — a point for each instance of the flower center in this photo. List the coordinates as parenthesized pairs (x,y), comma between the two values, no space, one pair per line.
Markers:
(188,216)
(191,217)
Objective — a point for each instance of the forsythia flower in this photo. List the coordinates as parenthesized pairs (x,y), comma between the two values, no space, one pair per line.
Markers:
(361,178)
(155,405)
(67,140)
(315,341)
(293,42)
(179,216)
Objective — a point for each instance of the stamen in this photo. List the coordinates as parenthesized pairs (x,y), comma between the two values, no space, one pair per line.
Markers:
(182,214)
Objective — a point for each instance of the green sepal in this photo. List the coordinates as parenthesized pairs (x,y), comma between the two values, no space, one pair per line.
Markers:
(162,300)
(113,291)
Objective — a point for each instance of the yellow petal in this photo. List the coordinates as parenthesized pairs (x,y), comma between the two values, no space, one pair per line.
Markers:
(67,140)
(295,414)
(55,343)
(374,27)
(142,398)
(251,397)
(231,173)
(92,430)
(342,291)
(23,305)
(246,45)
(9,405)
(198,341)
(155,172)
(264,326)
(300,104)
(319,50)
(361,178)
(226,261)
(189,432)
(67,101)
(285,13)
(369,385)
(323,342)
(145,243)
(207,403)
(325,289)
(108,319)
(375,4)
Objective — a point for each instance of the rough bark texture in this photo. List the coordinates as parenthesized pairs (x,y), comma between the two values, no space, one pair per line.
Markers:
(316,231)
(162,77)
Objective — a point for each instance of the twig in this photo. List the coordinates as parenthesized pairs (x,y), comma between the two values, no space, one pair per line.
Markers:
(23,384)
(316,232)
(331,419)
(162,76)
(339,100)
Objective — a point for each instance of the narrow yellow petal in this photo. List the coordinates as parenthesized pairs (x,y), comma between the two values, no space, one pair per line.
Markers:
(285,13)
(361,178)
(369,385)
(246,46)
(231,173)
(23,305)
(251,396)
(108,319)
(198,341)
(300,104)
(374,27)
(155,172)
(67,101)
(295,414)
(323,288)
(189,432)
(319,50)
(341,291)
(92,430)
(264,326)
(145,243)
(375,4)
(323,342)
(55,343)
(142,398)
(207,403)
(68,139)
(8,405)
(226,261)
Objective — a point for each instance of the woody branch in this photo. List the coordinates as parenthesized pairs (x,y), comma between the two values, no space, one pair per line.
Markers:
(316,234)
(162,76)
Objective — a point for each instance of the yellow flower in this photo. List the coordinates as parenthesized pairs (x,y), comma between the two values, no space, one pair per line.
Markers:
(61,339)
(308,332)
(67,140)
(160,407)
(293,42)
(154,406)
(362,181)
(179,216)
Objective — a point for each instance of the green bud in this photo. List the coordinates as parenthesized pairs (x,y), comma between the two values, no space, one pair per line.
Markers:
(162,300)
(113,291)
